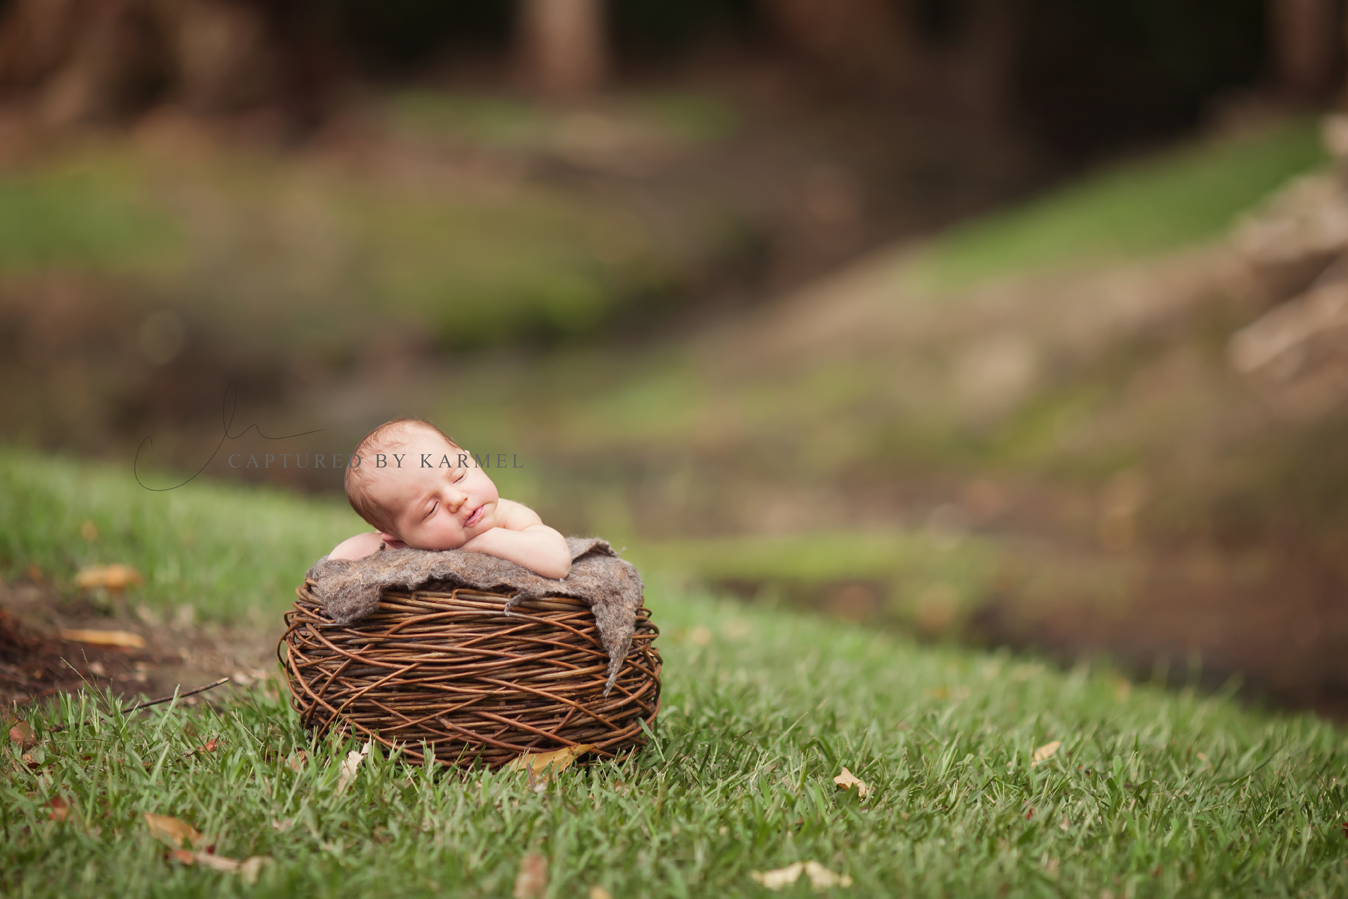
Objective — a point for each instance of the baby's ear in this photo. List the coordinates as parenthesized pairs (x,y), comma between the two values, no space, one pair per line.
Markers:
(391,541)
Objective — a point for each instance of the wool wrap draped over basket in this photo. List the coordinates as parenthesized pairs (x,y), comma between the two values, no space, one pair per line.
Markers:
(469,676)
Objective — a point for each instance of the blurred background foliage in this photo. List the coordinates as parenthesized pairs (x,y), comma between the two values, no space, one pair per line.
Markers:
(915,311)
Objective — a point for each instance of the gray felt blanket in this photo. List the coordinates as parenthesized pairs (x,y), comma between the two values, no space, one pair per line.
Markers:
(350,588)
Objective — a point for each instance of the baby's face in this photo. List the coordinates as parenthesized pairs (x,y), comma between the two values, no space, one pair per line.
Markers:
(439,498)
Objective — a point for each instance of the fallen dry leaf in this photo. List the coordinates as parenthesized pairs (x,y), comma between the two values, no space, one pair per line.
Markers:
(283,826)
(598,892)
(781,878)
(109,577)
(532,881)
(297,760)
(701,635)
(209,746)
(821,878)
(247,870)
(22,733)
(123,639)
(57,809)
(1045,752)
(847,780)
(89,531)
(171,831)
(546,765)
(351,766)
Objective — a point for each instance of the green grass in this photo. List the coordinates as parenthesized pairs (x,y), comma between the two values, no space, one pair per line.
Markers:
(77,215)
(503,123)
(1178,198)
(806,568)
(1152,793)
(224,549)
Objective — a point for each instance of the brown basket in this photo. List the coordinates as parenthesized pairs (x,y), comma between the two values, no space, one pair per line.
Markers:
(448,668)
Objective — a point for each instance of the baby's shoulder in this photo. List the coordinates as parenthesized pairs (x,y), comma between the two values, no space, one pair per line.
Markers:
(515,516)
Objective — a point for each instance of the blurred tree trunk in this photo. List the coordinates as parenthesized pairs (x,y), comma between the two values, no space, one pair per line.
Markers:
(562,46)
(82,59)
(102,60)
(859,41)
(982,65)
(1306,40)
(879,45)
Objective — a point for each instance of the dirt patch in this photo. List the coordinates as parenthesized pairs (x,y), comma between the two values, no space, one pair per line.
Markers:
(38,658)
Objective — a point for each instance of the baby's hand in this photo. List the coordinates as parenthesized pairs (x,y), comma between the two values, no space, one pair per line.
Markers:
(537,547)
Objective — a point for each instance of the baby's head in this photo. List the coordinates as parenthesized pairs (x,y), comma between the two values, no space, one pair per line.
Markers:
(427,493)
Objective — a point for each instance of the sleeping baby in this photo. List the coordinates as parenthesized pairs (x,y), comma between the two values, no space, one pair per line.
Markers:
(429,494)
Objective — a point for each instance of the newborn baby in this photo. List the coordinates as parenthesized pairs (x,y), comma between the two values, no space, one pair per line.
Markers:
(431,495)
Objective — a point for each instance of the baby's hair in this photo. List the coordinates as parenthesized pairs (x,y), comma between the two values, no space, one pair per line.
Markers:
(389,435)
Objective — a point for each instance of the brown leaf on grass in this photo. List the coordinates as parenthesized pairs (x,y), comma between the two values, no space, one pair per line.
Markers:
(1045,752)
(351,767)
(598,892)
(89,531)
(532,881)
(171,831)
(57,809)
(544,766)
(121,639)
(780,878)
(247,870)
(821,878)
(847,780)
(209,746)
(22,733)
(108,577)
(297,760)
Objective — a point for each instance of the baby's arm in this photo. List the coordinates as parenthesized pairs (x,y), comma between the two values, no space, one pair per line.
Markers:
(520,536)
(357,547)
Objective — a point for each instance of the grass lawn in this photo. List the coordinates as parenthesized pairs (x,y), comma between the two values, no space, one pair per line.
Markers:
(227,550)
(1151,792)
(1175,199)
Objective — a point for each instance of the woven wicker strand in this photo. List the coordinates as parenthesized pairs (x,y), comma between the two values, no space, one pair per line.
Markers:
(450,670)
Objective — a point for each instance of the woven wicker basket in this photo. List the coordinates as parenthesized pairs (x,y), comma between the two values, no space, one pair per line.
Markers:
(448,668)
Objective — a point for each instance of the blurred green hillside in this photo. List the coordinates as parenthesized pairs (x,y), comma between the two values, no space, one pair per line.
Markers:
(1028,413)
